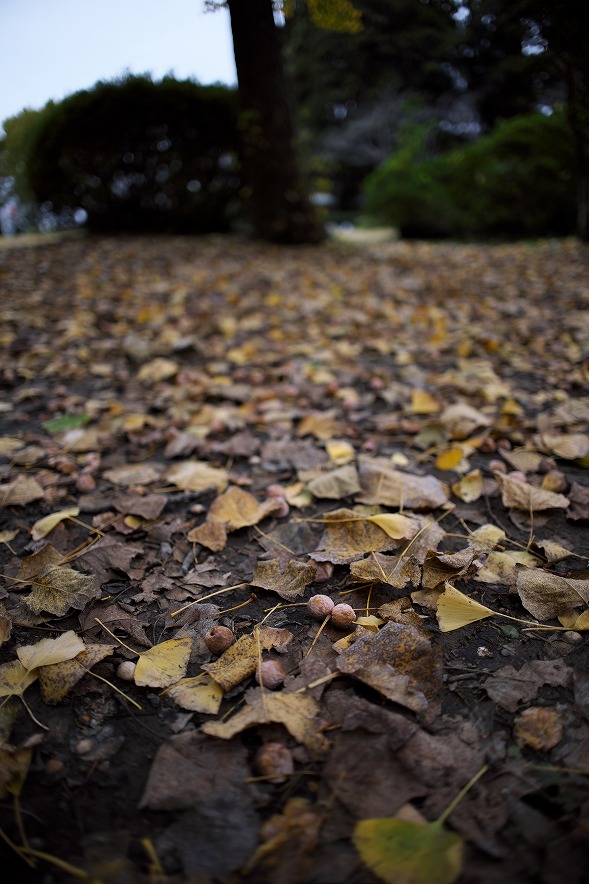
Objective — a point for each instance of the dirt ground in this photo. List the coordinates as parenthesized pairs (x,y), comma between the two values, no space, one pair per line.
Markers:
(400,427)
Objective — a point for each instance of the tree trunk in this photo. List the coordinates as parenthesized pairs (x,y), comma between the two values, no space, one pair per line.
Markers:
(280,206)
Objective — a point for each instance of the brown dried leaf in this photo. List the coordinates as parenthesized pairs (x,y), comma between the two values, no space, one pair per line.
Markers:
(396,571)
(383,484)
(547,595)
(238,509)
(342,482)
(147,506)
(57,679)
(295,711)
(461,420)
(399,662)
(58,589)
(538,727)
(470,487)
(508,686)
(502,567)
(348,536)
(211,534)
(526,497)
(569,446)
(288,581)
(239,661)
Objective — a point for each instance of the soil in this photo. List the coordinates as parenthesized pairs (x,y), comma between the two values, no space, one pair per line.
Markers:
(462,367)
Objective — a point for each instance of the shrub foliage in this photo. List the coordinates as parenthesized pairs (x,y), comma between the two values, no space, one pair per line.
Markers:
(139,155)
(516,181)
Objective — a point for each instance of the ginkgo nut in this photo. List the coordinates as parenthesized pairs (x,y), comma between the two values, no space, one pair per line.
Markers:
(343,616)
(126,670)
(320,606)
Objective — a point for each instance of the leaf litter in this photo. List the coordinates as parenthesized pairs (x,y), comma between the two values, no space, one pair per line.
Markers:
(201,433)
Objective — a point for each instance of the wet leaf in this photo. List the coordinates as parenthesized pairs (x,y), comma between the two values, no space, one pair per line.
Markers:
(163,664)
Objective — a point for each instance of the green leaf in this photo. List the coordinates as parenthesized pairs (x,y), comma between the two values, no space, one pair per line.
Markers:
(401,852)
(66,422)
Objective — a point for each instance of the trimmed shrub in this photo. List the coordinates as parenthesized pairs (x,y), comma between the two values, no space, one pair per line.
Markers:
(515,182)
(138,155)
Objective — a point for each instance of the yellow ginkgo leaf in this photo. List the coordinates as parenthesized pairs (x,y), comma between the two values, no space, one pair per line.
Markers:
(396,525)
(339,451)
(163,664)
(15,679)
(456,610)
(199,694)
(449,459)
(423,402)
(470,487)
(43,526)
(50,650)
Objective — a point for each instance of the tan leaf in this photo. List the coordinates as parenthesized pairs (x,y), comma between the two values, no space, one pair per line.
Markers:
(238,509)
(461,420)
(50,650)
(470,487)
(295,711)
(322,425)
(57,589)
(340,452)
(289,582)
(5,626)
(15,679)
(239,661)
(43,526)
(570,446)
(10,444)
(396,571)
(14,766)
(502,567)
(538,727)
(523,496)
(211,534)
(348,536)
(197,694)
(547,595)
(423,402)
(439,568)
(336,484)
(163,664)
(194,475)
(383,484)
(396,525)
(159,369)
(487,537)
(132,474)
(57,679)
(21,491)
(456,610)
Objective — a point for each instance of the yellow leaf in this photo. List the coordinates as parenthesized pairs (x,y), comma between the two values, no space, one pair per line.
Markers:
(57,679)
(194,475)
(449,459)
(396,525)
(423,402)
(43,526)
(340,452)
(50,650)
(239,661)
(456,610)
(239,509)
(470,487)
(159,369)
(15,679)
(163,664)
(197,694)
(402,852)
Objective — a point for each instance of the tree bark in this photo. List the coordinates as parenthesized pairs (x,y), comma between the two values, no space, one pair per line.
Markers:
(281,211)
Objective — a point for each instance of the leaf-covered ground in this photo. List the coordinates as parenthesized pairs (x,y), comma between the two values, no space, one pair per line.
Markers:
(199,435)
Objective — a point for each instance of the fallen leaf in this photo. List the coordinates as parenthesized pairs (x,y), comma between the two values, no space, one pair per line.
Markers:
(20,492)
(57,589)
(401,852)
(523,496)
(396,525)
(43,526)
(423,402)
(461,420)
(14,766)
(237,508)
(539,727)
(132,474)
(383,484)
(57,679)
(569,446)
(297,712)
(342,482)
(456,610)
(163,664)
(15,678)
(449,459)
(288,581)
(509,687)
(395,571)
(339,451)
(348,536)
(211,534)
(546,595)
(322,425)
(399,662)
(194,475)
(502,567)
(50,650)
(240,660)
(470,487)
(197,694)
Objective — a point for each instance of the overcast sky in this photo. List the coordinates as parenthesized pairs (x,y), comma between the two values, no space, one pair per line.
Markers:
(50,48)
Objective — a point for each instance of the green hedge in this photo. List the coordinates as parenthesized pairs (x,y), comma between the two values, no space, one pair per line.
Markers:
(515,182)
(139,155)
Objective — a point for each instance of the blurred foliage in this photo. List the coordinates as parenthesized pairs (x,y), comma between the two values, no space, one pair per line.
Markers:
(516,181)
(139,155)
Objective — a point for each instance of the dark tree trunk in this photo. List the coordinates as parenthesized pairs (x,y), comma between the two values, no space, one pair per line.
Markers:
(280,206)
(578,116)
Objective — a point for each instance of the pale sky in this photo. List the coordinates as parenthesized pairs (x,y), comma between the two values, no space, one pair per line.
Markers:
(51,48)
